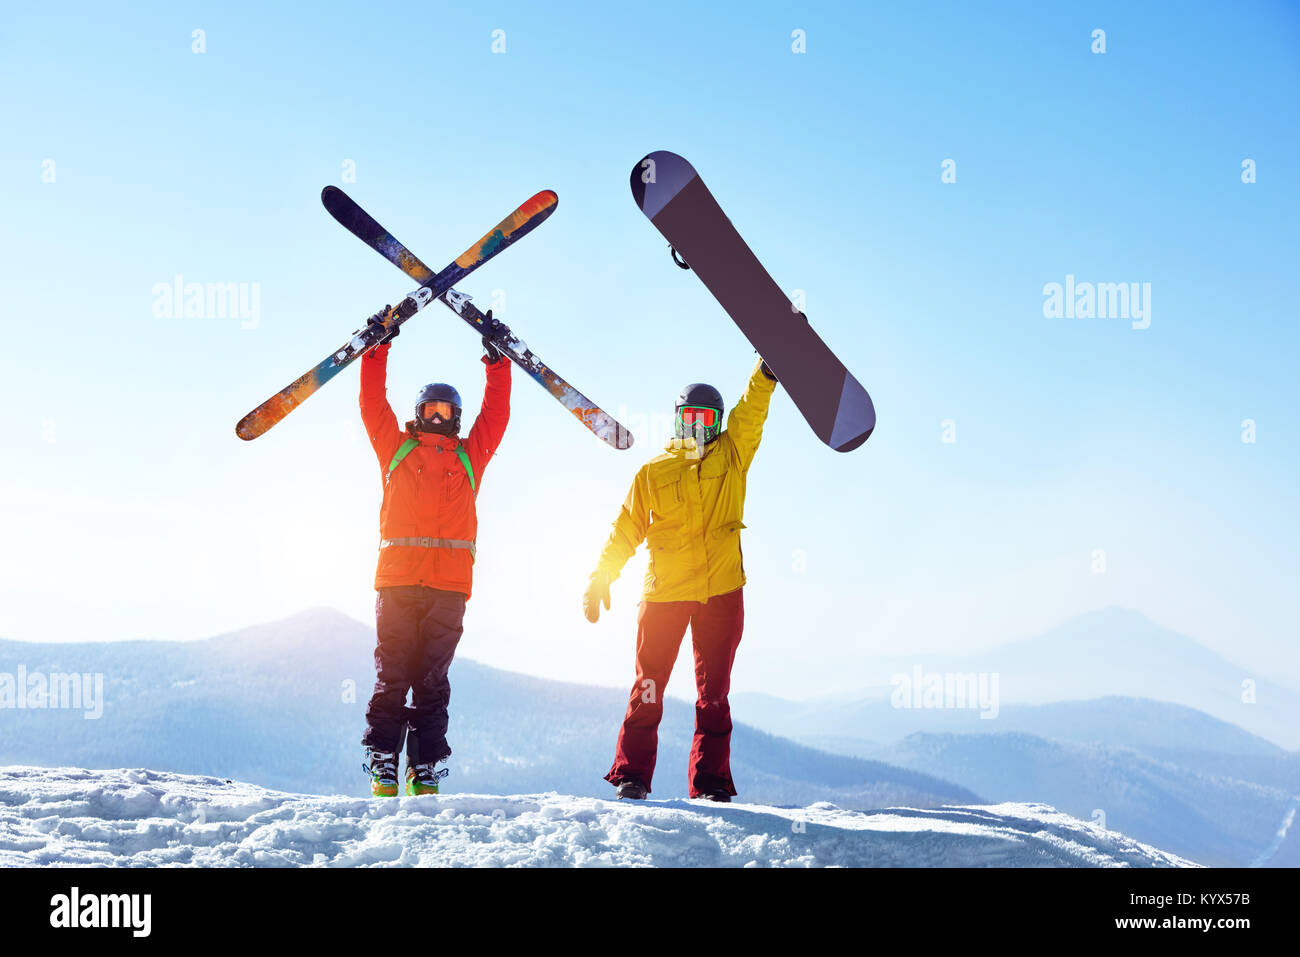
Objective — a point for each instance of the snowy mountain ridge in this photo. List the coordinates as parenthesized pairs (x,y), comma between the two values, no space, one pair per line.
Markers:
(1113,654)
(283,705)
(126,817)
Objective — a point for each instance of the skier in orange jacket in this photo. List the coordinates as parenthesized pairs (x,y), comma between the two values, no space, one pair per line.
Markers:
(427,526)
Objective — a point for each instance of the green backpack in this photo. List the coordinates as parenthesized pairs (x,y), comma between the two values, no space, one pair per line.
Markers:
(405,449)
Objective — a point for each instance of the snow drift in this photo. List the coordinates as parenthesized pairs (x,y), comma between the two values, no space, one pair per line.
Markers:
(68,816)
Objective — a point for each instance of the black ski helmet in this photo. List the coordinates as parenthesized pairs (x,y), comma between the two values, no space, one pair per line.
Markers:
(438,392)
(699,394)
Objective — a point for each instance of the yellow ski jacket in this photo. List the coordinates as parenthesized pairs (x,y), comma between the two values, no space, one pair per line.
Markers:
(687,505)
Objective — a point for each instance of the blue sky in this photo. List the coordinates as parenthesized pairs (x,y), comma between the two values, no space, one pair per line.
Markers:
(129,509)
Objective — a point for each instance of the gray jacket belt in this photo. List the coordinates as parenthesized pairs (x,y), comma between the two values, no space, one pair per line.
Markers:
(429,543)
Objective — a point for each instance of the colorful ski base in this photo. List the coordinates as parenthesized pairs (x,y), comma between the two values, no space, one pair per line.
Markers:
(358,222)
(603,425)
(362,225)
(514,227)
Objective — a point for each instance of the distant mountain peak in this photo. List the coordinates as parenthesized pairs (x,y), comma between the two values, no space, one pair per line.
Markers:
(320,627)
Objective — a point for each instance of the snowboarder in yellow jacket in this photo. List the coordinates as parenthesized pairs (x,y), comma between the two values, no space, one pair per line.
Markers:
(688,506)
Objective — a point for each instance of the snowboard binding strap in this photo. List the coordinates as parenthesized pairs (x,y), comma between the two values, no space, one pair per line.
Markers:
(678,259)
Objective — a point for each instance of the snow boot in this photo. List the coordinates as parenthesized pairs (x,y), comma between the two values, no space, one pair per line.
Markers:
(631,790)
(423,779)
(382,768)
(722,797)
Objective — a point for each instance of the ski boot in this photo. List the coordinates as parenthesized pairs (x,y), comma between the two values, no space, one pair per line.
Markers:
(631,790)
(382,768)
(423,779)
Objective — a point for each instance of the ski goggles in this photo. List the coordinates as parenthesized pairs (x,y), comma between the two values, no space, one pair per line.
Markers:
(440,408)
(705,416)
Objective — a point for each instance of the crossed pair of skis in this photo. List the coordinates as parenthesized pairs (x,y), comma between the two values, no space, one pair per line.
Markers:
(671,195)
(436,286)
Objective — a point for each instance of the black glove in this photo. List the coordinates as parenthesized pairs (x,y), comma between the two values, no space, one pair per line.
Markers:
(767,371)
(381,333)
(493,353)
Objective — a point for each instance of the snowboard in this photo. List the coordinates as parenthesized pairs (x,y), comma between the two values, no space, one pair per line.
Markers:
(518,224)
(362,225)
(674,198)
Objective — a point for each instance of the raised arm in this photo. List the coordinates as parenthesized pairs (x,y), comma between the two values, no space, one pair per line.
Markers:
(745,422)
(485,436)
(381,424)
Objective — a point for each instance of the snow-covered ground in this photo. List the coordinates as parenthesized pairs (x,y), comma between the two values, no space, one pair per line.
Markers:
(68,816)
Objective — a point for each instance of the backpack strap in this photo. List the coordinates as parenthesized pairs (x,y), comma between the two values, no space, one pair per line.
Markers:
(469,469)
(405,449)
(402,452)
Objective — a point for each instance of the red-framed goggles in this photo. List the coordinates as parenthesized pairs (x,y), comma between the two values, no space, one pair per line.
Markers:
(705,416)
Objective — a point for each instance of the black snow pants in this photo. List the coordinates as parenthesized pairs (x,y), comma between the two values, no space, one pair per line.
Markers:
(418,630)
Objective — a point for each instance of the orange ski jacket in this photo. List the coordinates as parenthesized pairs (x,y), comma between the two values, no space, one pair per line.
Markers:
(428,496)
(687,505)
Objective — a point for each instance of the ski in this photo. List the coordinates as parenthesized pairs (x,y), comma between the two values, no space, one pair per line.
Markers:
(674,198)
(358,222)
(515,226)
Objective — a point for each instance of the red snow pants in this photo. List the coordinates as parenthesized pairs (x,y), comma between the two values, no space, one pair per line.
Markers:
(716,626)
